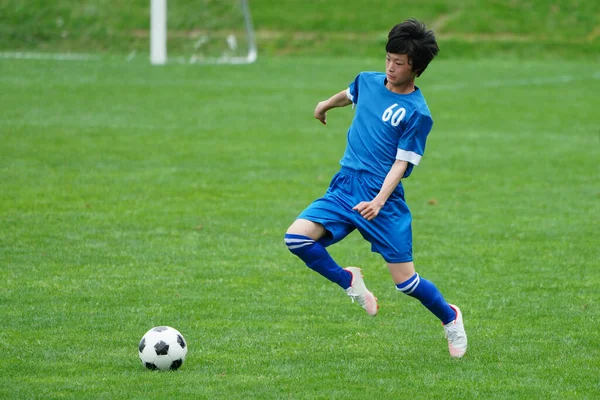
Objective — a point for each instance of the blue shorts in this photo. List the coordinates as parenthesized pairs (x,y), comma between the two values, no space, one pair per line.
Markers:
(389,233)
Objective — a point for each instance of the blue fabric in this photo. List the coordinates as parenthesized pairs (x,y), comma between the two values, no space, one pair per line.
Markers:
(429,295)
(390,234)
(318,259)
(385,122)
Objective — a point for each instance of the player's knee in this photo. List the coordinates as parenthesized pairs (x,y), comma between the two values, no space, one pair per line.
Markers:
(291,231)
(306,228)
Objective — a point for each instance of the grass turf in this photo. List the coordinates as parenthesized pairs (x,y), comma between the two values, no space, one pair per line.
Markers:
(133,196)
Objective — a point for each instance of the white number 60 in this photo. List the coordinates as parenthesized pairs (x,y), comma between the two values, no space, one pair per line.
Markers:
(395,117)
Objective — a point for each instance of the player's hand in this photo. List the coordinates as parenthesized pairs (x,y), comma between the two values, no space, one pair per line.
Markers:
(368,209)
(320,112)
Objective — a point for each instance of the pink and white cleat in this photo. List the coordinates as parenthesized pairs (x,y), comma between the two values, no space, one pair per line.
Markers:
(359,292)
(456,335)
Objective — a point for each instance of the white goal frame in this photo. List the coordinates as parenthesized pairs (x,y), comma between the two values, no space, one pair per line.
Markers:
(158,36)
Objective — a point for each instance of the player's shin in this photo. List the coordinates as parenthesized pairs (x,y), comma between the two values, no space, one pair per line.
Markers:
(429,295)
(316,257)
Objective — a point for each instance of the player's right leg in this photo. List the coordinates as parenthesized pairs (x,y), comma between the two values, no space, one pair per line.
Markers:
(302,239)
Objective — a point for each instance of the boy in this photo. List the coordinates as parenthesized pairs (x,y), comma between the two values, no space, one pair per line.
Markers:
(385,141)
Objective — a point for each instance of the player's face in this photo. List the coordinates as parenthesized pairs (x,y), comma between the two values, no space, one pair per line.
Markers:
(398,70)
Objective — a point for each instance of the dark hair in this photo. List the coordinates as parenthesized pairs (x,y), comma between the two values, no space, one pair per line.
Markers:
(412,38)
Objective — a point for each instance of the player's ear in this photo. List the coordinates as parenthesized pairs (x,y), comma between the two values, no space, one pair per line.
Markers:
(415,73)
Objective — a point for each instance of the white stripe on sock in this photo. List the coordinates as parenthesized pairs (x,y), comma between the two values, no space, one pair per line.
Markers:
(299,240)
(412,286)
(297,246)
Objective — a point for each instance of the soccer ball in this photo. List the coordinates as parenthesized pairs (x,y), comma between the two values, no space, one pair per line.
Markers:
(162,348)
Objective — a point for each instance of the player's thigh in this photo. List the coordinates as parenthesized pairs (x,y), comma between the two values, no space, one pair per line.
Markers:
(306,228)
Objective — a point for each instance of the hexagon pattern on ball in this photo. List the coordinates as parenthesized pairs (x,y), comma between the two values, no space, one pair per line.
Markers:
(162,348)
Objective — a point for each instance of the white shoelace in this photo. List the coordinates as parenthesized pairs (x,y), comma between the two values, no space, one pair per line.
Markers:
(361,299)
(451,333)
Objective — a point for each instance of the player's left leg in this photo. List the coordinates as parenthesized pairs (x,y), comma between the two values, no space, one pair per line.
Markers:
(412,284)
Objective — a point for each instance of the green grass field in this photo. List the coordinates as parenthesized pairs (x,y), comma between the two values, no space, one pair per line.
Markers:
(133,196)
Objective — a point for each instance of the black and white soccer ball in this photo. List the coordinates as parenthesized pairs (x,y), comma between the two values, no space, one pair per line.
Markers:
(162,348)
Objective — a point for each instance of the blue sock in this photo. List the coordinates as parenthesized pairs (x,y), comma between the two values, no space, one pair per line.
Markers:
(429,295)
(318,259)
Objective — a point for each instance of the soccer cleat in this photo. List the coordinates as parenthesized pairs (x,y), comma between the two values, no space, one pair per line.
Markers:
(359,292)
(456,335)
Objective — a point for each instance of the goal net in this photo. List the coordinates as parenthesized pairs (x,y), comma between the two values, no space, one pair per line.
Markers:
(217,31)
(190,31)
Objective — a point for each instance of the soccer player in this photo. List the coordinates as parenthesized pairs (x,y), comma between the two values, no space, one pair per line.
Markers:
(384,142)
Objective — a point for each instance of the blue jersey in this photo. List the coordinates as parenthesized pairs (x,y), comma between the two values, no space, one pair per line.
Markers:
(387,126)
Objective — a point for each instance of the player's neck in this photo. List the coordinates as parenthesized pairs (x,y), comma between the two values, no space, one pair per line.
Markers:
(402,88)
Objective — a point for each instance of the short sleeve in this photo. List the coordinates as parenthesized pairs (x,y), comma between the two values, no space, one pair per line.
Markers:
(412,142)
(352,91)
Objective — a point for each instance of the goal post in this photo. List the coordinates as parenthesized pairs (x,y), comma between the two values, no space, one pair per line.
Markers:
(158,32)
(218,32)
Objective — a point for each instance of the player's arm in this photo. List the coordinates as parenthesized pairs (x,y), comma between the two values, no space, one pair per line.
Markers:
(337,100)
(370,209)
